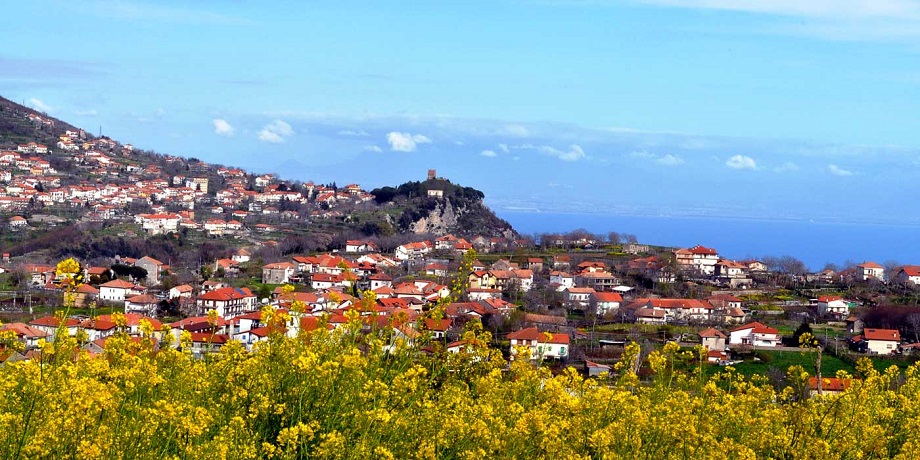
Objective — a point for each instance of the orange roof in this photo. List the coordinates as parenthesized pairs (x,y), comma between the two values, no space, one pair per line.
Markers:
(673,303)
(830,383)
(702,250)
(530,333)
(608,296)
(23,330)
(758,328)
(869,265)
(712,332)
(118,284)
(891,335)
(829,298)
(225,294)
(437,325)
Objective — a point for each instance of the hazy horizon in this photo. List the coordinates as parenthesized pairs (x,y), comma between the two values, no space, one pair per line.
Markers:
(769,110)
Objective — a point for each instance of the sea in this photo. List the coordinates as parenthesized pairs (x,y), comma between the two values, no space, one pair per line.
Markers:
(814,243)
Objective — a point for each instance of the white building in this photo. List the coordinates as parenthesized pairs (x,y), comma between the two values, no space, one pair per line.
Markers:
(755,334)
(542,345)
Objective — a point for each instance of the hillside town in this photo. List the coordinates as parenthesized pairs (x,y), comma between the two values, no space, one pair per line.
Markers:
(569,298)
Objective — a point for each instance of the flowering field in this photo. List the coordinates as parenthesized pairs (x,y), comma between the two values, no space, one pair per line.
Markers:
(347,393)
(340,395)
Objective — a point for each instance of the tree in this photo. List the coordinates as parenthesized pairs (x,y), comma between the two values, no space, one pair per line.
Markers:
(802,329)
(613,238)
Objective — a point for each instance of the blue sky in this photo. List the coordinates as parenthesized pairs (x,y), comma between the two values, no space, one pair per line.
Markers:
(770,109)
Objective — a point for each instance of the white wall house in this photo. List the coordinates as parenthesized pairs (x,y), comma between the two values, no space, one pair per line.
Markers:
(755,334)
(882,341)
(542,345)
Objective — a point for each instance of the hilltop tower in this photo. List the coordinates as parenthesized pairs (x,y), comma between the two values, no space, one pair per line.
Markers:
(432,174)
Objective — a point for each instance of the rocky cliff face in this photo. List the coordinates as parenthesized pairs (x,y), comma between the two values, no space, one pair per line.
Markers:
(441,220)
(472,218)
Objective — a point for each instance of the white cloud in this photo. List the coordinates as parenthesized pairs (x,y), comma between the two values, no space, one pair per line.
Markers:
(222,127)
(37,104)
(843,9)
(642,154)
(353,133)
(741,162)
(515,130)
(86,113)
(488,153)
(276,132)
(838,171)
(574,152)
(829,19)
(503,148)
(663,160)
(406,142)
(787,167)
(670,160)
(373,148)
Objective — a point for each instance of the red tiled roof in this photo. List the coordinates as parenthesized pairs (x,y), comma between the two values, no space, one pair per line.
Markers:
(758,328)
(712,332)
(608,297)
(829,298)
(882,334)
(830,383)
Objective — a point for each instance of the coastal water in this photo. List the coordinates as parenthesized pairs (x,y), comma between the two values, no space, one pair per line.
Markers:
(815,243)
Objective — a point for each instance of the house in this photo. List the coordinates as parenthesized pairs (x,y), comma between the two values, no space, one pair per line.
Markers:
(732,273)
(834,306)
(182,291)
(241,256)
(228,267)
(869,271)
(699,259)
(597,280)
(153,267)
(908,274)
(829,385)
(605,302)
(755,334)
(540,344)
(412,250)
(562,262)
(436,269)
(118,290)
(577,297)
(227,302)
(379,280)
(561,280)
(359,246)
(535,263)
(277,273)
(26,334)
(596,369)
(49,325)
(881,341)
(17,222)
(713,339)
(438,328)
(143,304)
(672,310)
